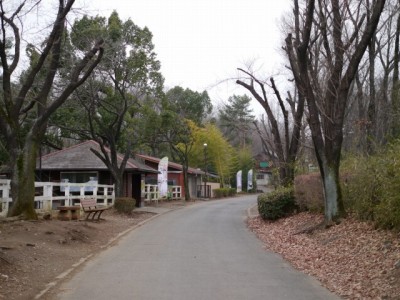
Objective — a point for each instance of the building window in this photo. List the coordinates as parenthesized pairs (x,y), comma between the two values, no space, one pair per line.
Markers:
(260,176)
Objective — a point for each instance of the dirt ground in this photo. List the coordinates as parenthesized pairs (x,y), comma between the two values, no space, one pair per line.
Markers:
(34,253)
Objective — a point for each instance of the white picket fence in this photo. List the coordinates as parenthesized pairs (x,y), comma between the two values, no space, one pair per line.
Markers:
(151,193)
(52,194)
(47,200)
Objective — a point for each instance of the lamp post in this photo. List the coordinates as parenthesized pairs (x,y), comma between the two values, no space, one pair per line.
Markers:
(205,170)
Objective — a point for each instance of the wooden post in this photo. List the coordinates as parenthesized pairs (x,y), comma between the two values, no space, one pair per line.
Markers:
(66,193)
(113,194)
(48,193)
(82,191)
(6,197)
(105,194)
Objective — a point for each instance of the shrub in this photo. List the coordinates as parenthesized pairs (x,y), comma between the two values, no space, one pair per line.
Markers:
(371,190)
(276,204)
(218,193)
(308,192)
(362,190)
(124,205)
(224,192)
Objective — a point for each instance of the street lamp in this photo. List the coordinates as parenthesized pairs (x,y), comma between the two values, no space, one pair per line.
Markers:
(205,170)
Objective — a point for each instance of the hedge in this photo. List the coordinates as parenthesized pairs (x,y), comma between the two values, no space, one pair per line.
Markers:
(224,192)
(276,204)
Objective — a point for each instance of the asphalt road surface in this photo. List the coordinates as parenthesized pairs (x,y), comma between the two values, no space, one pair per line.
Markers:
(203,251)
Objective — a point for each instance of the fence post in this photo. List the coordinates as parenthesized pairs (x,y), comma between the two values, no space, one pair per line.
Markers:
(66,193)
(113,194)
(6,198)
(82,191)
(95,191)
(48,193)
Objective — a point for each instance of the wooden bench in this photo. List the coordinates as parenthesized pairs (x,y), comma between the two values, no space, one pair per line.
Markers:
(67,213)
(90,206)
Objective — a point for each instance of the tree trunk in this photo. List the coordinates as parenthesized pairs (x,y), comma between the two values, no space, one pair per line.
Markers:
(23,181)
(371,112)
(119,186)
(186,183)
(334,207)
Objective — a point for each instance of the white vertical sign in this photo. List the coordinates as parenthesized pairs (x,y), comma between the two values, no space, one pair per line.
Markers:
(239,181)
(250,180)
(162,178)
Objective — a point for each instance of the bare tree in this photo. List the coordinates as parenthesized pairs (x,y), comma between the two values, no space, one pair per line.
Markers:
(370,118)
(285,149)
(326,87)
(32,96)
(396,83)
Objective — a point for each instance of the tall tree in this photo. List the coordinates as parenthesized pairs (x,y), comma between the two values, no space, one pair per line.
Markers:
(189,104)
(324,56)
(395,81)
(370,116)
(236,120)
(180,135)
(112,97)
(33,98)
(220,154)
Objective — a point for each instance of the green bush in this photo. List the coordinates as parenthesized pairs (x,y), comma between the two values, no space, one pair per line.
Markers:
(276,204)
(218,193)
(124,205)
(224,192)
(372,188)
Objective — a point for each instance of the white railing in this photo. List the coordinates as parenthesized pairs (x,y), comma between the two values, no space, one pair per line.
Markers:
(5,199)
(175,192)
(151,193)
(52,194)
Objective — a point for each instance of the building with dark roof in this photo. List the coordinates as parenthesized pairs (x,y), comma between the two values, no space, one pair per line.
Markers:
(79,164)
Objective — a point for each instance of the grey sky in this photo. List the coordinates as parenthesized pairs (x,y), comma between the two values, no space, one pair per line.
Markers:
(201,43)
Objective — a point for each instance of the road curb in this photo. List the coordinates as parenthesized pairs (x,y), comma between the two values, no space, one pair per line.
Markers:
(249,214)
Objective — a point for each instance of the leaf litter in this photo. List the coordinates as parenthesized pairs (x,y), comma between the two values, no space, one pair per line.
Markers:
(351,259)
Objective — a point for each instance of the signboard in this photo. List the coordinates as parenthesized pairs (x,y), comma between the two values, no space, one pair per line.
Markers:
(162,178)
(264,164)
(239,181)
(250,180)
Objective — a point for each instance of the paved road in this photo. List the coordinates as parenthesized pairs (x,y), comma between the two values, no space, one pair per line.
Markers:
(200,252)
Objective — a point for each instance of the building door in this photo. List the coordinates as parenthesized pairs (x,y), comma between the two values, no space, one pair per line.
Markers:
(136,188)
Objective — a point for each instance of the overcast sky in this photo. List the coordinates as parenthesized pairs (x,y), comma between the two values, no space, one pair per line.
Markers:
(200,43)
